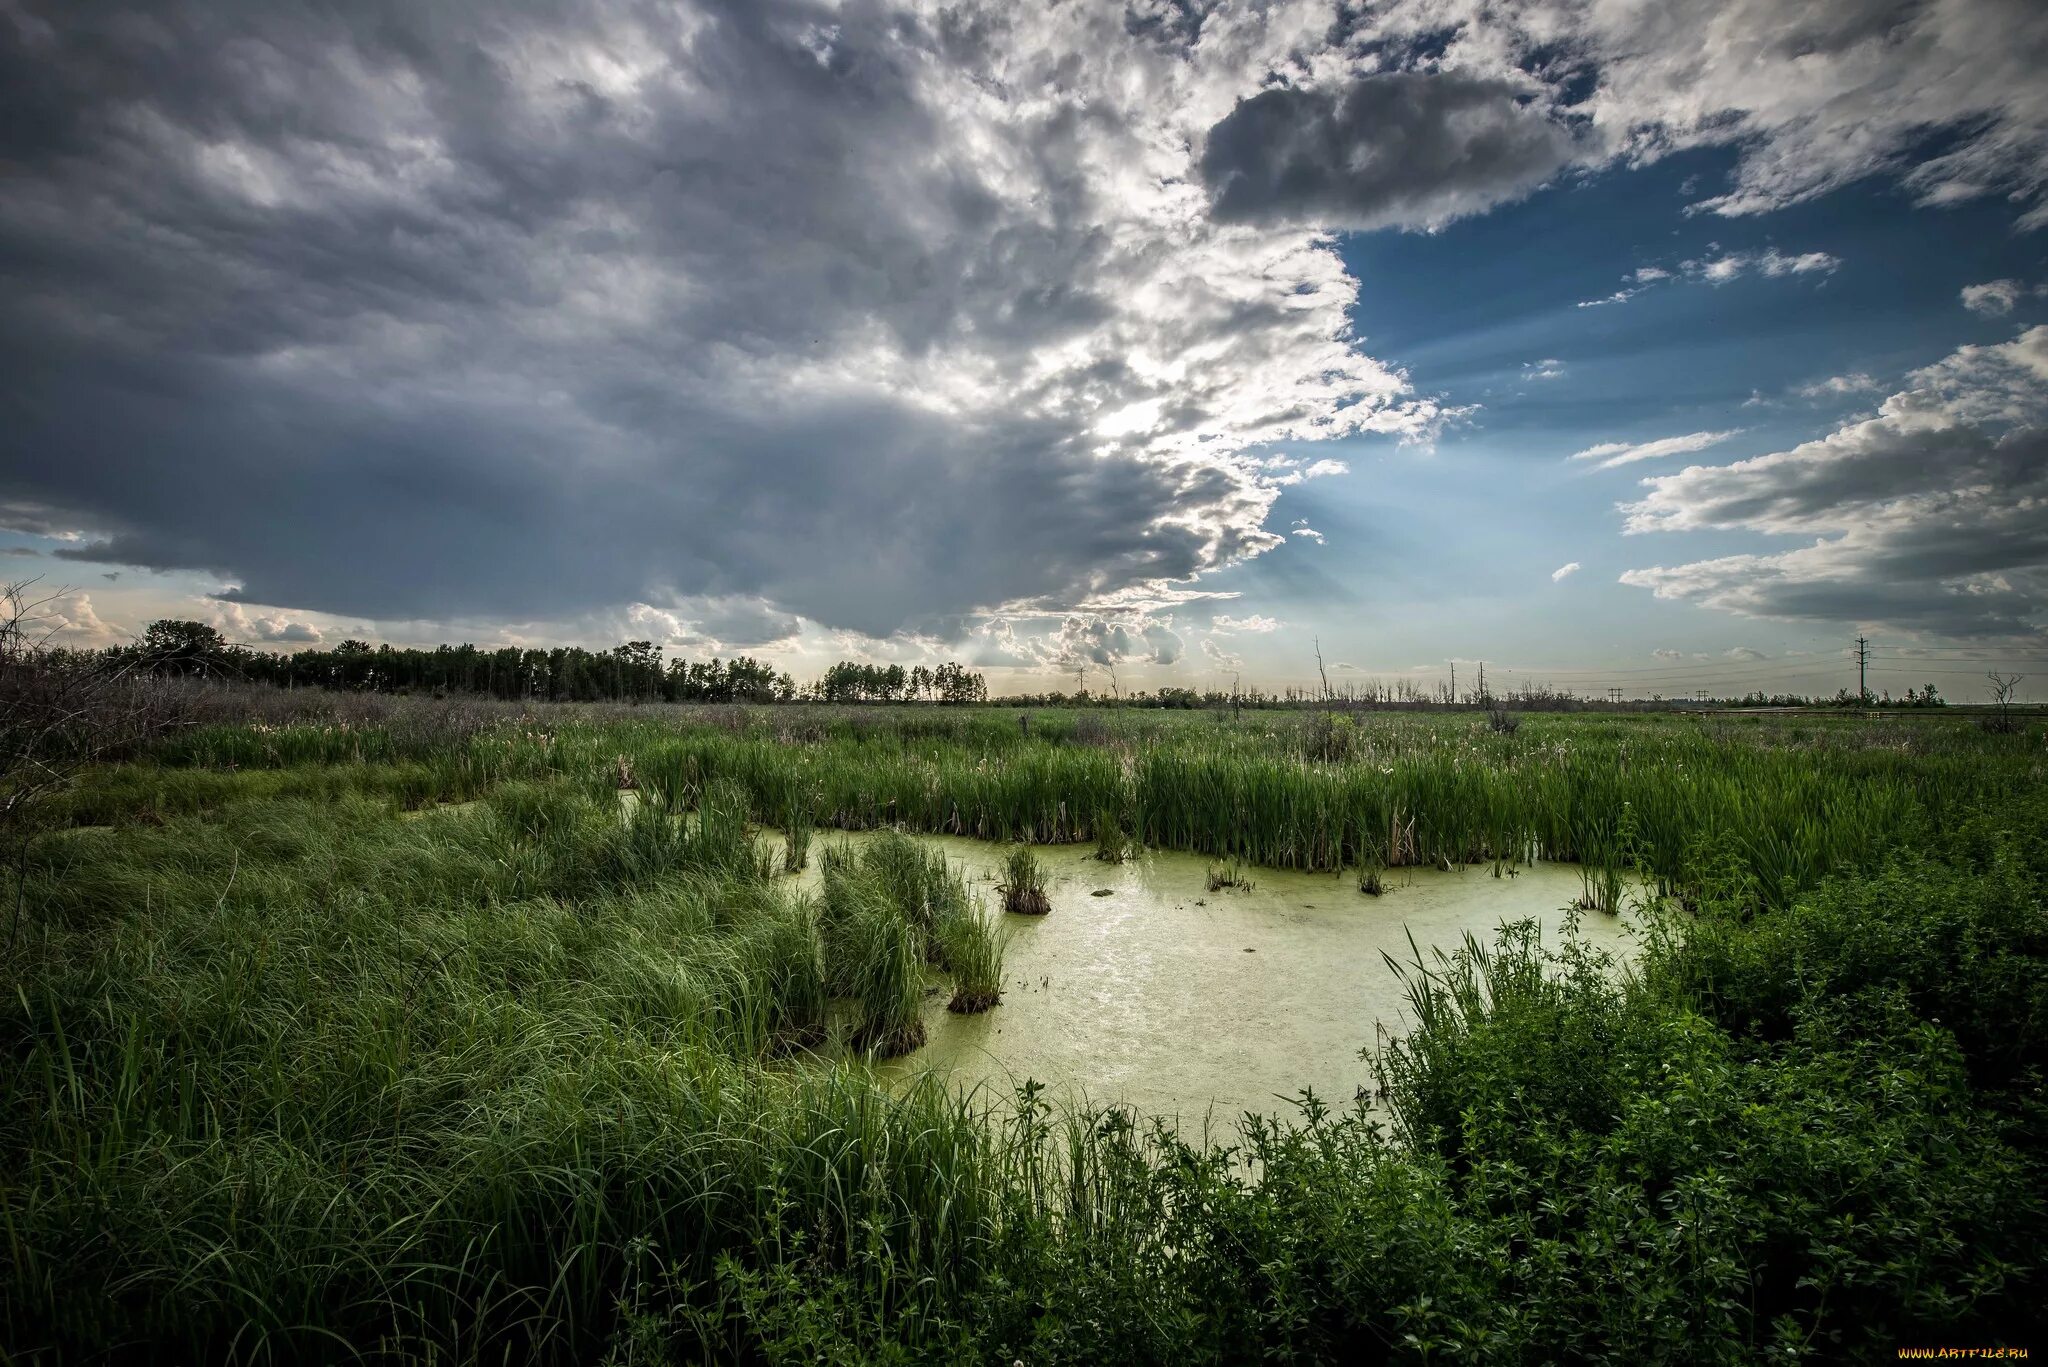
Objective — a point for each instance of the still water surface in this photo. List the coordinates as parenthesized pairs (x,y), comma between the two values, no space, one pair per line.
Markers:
(1185,1002)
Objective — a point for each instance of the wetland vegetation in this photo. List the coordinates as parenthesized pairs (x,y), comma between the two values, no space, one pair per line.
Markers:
(343,1027)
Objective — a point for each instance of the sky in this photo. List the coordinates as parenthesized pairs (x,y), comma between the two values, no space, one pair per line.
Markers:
(1610,344)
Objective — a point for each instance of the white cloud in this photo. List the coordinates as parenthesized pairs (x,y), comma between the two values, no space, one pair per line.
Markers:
(1612,453)
(239,624)
(1254,623)
(1839,386)
(1287,471)
(1997,298)
(1719,270)
(1818,96)
(1773,264)
(67,618)
(1550,368)
(1927,517)
(1104,640)
(1564,571)
(1219,657)
(1770,262)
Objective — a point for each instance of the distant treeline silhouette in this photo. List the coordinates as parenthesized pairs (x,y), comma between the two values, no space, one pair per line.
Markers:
(638,671)
(633,672)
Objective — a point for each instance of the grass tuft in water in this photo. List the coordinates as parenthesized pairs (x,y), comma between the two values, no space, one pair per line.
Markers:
(1023,885)
(1230,874)
(973,948)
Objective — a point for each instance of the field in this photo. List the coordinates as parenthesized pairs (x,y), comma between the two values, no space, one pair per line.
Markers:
(341,1027)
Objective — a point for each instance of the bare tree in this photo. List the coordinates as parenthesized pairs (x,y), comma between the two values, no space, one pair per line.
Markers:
(59,712)
(2003,689)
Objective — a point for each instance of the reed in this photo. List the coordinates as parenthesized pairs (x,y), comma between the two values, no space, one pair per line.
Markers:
(1112,841)
(875,960)
(972,947)
(1023,885)
(799,823)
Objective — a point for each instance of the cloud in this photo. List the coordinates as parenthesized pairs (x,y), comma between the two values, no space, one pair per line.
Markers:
(537,314)
(1549,368)
(1410,149)
(1773,264)
(1562,572)
(1743,653)
(68,619)
(875,314)
(236,622)
(998,643)
(1839,386)
(1720,270)
(1926,517)
(1219,657)
(1815,97)
(703,623)
(1105,640)
(1612,453)
(1166,645)
(1808,97)
(1287,471)
(1997,298)
(1254,623)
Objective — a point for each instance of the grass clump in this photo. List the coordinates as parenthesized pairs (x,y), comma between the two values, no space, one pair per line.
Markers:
(1023,885)
(972,947)
(1229,874)
(890,910)
(799,823)
(875,956)
(1112,841)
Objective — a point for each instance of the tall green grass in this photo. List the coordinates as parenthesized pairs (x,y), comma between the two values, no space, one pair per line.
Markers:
(1805,796)
(300,1068)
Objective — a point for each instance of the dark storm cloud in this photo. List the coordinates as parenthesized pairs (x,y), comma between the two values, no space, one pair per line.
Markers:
(1403,149)
(520,310)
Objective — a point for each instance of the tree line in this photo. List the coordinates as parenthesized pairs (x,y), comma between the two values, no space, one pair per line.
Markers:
(633,672)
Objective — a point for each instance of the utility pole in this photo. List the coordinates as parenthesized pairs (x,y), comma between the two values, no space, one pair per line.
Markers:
(1614,695)
(1862,666)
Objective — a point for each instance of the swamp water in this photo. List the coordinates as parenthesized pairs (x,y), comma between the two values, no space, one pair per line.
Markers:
(1202,1005)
